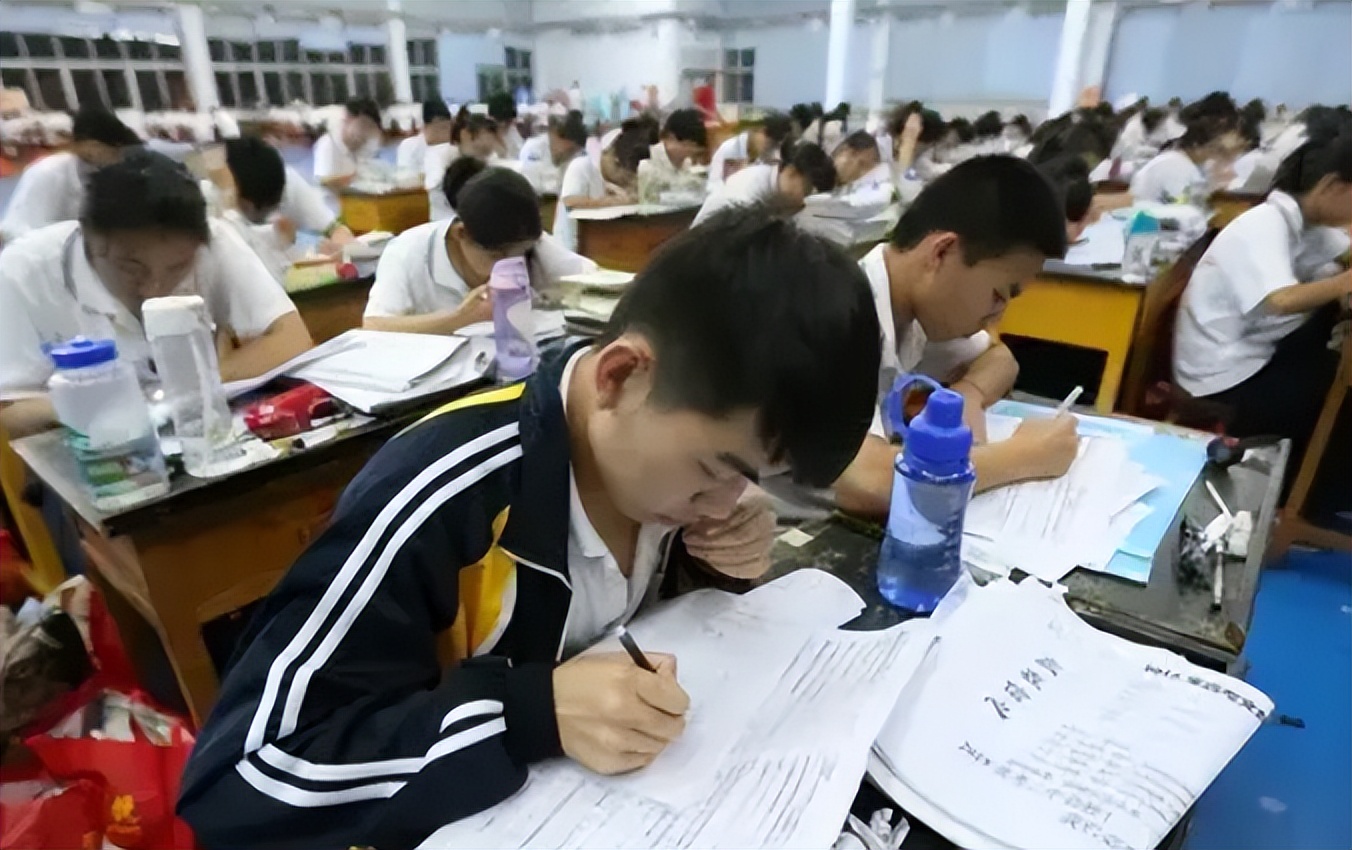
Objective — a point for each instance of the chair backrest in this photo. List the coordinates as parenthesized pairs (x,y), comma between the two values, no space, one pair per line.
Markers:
(1145,389)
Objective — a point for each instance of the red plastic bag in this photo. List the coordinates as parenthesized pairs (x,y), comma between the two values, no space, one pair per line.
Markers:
(42,814)
(134,750)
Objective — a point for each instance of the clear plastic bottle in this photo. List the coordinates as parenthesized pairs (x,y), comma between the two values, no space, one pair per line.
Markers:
(107,423)
(513,324)
(921,555)
(184,350)
(1138,259)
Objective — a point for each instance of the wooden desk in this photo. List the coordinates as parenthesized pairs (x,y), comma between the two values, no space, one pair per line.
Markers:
(394,211)
(625,243)
(1081,307)
(1227,206)
(206,549)
(331,309)
(548,205)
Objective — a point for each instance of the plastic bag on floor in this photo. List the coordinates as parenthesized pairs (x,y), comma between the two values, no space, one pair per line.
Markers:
(40,813)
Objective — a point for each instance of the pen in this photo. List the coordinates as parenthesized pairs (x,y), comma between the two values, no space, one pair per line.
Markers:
(1074,396)
(631,646)
(1217,582)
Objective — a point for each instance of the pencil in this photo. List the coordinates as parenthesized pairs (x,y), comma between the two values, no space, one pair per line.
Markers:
(1074,396)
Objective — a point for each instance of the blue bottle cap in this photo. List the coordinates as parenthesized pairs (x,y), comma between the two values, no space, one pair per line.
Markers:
(938,440)
(79,352)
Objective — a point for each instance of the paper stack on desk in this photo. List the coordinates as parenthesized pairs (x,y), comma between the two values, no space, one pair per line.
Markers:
(1108,513)
(1025,727)
(784,709)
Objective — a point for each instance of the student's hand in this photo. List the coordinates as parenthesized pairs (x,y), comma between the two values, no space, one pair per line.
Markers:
(1047,447)
(738,546)
(477,307)
(285,229)
(910,131)
(614,716)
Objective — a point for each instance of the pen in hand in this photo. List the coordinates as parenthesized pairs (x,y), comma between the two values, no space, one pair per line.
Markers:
(631,646)
(1074,396)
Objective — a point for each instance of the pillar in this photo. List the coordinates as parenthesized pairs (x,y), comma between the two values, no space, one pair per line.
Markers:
(192,42)
(396,54)
(1066,81)
(838,52)
(877,68)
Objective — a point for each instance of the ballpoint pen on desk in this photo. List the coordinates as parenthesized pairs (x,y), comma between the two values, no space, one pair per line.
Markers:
(1064,406)
(631,646)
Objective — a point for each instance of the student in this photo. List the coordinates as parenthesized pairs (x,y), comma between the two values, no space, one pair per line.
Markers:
(498,537)
(472,135)
(588,185)
(143,233)
(1070,176)
(760,144)
(1254,323)
(411,155)
(803,169)
(502,109)
(988,130)
(433,278)
(52,189)
(859,164)
(915,132)
(683,138)
(1015,135)
(958,255)
(1178,174)
(338,157)
(544,158)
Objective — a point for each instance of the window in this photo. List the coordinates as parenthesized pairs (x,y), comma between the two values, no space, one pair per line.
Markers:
(40,46)
(140,50)
(272,87)
(74,48)
(50,90)
(169,51)
(362,81)
(225,89)
(267,51)
(296,88)
(739,76)
(180,96)
(323,91)
(216,49)
(106,48)
(518,71)
(377,54)
(15,78)
(248,90)
(340,94)
(115,84)
(9,46)
(148,84)
(291,50)
(87,90)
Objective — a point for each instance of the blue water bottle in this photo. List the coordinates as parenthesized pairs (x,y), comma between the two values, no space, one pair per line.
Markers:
(921,556)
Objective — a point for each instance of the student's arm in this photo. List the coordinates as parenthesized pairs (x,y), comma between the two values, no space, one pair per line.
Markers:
(24,369)
(390,306)
(36,202)
(984,381)
(477,307)
(284,339)
(910,139)
(1304,297)
(27,416)
(583,202)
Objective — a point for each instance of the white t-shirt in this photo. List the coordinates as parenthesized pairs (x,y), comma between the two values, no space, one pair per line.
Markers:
(303,203)
(752,184)
(582,177)
(49,294)
(48,191)
(1222,336)
(603,597)
(335,159)
(1172,176)
(415,276)
(263,240)
(536,149)
(734,150)
(410,154)
(908,350)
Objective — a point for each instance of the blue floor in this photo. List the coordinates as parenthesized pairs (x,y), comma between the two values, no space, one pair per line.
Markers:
(1290,787)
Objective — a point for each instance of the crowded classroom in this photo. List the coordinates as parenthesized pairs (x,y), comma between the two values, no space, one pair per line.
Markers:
(780,423)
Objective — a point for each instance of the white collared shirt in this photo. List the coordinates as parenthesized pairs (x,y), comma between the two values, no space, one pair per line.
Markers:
(582,178)
(49,294)
(603,597)
(753,184)
(335,159)
(734,150)
(908,350)
(1168,178)
(536,149)
(410,154)
(1223,337)
(49,190)
(415,275)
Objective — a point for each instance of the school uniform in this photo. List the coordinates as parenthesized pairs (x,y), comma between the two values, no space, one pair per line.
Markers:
(512,142)
(753,184)
(335,159)
(437,160)
(50,294)
(877,179)
(536,164)
(1170,177)
(49,190)
(582,178)
(536,149)
(663,169)
(415,275)
(410,154)
(1270,372)
(374,718)
(908,350)
(733,152)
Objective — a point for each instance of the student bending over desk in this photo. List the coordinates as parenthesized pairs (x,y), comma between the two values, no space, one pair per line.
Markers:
(1254,323)
(956,258)
(545,158)
(433,278)
(589,185)
(338,158)
(422,653)
(859,164)
(750,147)
(803,169)
(143,233)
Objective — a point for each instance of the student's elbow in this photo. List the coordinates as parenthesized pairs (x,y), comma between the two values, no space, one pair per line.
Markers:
(292,334)
(865,488)
(227,812)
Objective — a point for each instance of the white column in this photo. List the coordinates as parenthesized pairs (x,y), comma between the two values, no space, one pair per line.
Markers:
(192,41)
(878,59)
(396,54)
(1066,80)
(838,52)
(1098,44)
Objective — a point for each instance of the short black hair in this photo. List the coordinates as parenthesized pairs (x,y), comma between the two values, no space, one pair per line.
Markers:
(144,191)
(1311,162)
(687,125)
(1152,117)
(1021,121)
(809,160)
(777,127)
(748,311)
(458,174)
(1069,174)
(803,114)
(962,128)
(435,109)
(499,208)
(474,124)
(96,124)
(860,140)
(501,107)
(363,107)
(989,125)
(258,169)
(634,143)
(995,204)
(571,127)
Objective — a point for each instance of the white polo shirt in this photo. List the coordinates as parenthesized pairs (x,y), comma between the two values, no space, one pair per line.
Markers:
(1167,178)
(603,597)
(536,149)
(415,275)
(335,159)
(734,149)
(909,350)
(49,294)
(1222,336)
(582,178)
(303,202)
(410,154)
(751,185)
(48,191)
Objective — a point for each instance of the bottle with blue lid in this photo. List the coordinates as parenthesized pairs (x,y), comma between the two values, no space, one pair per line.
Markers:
(933,477)
(98,400)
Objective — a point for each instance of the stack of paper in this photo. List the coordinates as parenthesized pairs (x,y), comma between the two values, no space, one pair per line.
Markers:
(845,223)
(784,709)
(1024,727)
(1107,513)
(1103,243)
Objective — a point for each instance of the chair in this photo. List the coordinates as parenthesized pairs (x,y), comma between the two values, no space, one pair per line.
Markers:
(1148,389)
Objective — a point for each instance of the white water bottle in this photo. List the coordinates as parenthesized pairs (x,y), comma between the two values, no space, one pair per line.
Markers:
(184,349)
(513,323)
